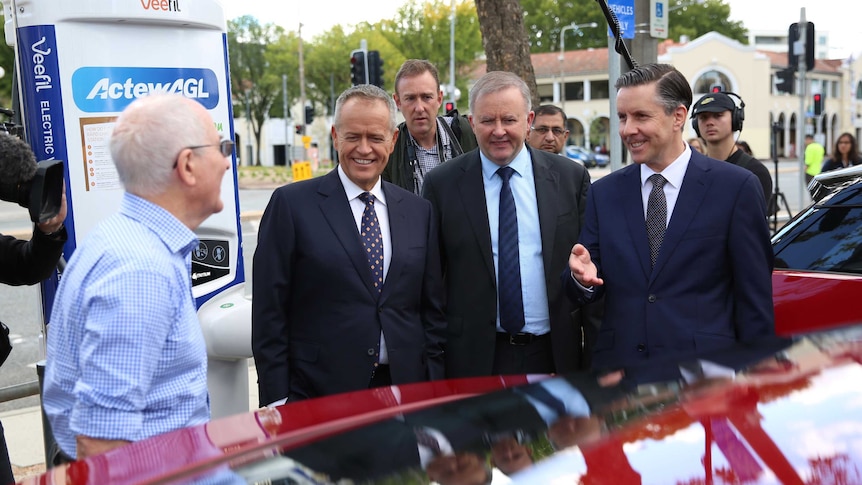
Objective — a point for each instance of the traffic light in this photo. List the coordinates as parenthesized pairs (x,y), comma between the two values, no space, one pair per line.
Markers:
(375,69)
(785,83)
(449,106)
(300,129)
(792,37)
(818,104)
(716,88)
(309,115)
(358,67)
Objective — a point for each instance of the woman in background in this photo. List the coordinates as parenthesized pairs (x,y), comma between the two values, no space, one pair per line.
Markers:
(845,154)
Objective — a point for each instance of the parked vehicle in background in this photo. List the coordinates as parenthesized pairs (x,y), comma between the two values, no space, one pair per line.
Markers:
(580,154)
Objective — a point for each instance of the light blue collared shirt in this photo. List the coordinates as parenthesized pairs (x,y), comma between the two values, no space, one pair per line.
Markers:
(523,185)
(126,356)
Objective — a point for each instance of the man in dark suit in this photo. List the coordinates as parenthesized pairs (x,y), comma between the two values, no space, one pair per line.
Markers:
(677,243)
(332,310)
(526,326)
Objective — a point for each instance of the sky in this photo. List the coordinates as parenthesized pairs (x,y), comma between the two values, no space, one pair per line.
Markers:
(839,17)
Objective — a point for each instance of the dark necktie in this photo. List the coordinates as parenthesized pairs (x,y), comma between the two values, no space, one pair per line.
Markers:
(372,240)
(508,259)
(656,220)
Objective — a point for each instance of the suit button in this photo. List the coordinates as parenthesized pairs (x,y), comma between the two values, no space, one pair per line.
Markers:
(380,310)
(652,298)
(641,347)
(370,351)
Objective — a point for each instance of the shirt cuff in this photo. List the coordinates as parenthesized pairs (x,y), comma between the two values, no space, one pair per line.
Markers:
(582,287)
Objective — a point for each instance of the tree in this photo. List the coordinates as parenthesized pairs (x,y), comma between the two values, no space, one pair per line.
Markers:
(7,63)
(253,85)
(506,44)
(545,18)
(423,32)
(695,20)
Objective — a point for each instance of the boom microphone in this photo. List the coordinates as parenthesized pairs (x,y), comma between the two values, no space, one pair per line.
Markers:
(35,186)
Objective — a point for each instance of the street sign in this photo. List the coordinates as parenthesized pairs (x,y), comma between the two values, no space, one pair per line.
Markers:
(625,12)
(658,19)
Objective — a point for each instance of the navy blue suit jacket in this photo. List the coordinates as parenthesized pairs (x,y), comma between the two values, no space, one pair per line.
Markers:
(711,285)
(316,316)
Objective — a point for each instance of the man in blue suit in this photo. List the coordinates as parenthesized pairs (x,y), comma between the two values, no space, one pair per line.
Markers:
(347,289)
(684,261)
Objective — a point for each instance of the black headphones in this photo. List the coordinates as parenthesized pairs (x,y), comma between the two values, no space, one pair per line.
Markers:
(737,114)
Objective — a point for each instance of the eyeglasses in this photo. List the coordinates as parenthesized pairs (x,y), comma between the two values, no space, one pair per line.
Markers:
(844,142)
(224,146)
(543,130)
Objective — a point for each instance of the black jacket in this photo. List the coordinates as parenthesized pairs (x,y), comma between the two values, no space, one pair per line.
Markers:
(399,170)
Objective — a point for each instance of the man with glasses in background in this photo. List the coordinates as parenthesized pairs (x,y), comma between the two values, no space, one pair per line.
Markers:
(549,131)
(126,356)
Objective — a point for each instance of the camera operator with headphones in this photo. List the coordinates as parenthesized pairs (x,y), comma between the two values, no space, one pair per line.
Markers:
(715,118)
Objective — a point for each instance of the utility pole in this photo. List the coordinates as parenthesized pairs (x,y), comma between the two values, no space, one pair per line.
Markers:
(799,50)
(302,87)
(452,55)
(287,159)
(644,46)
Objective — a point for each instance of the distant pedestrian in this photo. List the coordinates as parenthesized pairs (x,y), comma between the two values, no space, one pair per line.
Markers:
(845,154)
(814,153)
(548,131)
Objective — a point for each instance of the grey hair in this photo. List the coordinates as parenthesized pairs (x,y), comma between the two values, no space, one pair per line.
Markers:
(672,88)
(495,81)
(368,92)
(148,137)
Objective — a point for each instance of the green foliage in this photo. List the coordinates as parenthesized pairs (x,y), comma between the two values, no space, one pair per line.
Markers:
(545,18)
(695,20)
(7,56)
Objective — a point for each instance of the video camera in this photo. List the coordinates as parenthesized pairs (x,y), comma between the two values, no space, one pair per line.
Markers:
(38,187)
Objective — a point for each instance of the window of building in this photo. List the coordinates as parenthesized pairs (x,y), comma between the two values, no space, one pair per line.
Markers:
(600,90)
(546,93)
(859,90)
(709,79)
(574,91)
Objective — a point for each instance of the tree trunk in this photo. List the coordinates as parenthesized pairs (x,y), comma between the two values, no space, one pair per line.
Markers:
(507,46)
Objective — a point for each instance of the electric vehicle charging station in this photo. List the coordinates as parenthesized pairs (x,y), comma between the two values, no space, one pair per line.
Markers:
(79,64)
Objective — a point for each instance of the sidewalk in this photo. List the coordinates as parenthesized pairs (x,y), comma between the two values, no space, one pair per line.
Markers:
(23,429)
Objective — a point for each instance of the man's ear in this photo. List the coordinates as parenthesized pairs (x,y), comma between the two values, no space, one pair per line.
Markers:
(185,166)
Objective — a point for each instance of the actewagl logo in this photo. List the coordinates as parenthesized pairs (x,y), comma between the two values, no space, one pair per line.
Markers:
(111,89)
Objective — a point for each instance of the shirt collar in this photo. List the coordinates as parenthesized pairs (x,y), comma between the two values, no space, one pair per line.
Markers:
(353,191)
(176,236)
(521,163)
(673,173)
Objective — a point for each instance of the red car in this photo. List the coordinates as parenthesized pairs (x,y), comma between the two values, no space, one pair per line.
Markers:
(786,410)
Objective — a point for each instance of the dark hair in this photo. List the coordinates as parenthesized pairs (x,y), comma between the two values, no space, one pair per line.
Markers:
(853,155)
(415,67)
(672,87)
(551,110)
(745,147)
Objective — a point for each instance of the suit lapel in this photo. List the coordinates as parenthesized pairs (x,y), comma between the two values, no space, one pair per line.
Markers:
(336,210)
(472,190)
(547,183)
(691,195)
(399,243)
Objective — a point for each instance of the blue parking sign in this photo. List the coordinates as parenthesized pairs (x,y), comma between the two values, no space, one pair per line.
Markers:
(625,12)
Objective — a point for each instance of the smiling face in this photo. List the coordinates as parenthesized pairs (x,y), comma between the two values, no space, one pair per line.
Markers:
(364,140)
(500,121)
(651,135)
